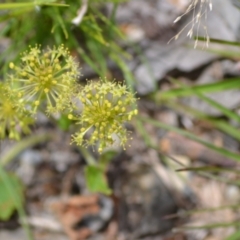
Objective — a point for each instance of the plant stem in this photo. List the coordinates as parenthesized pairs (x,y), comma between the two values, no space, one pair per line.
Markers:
(87,156)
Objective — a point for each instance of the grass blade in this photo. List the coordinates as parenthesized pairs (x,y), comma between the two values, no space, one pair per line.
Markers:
(219,124)
(220,41)
(224,110)
(223,151)
(29,4)
(232,83)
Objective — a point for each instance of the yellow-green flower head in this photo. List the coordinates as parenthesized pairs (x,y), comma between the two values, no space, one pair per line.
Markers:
(14,118)
(106,107)
(46,75)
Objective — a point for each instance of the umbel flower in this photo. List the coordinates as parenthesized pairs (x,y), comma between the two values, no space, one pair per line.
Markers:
(14,118)
(46,75)
(106,107)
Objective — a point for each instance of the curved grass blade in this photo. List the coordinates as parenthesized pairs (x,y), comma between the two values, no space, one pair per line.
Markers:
(223,151)
(29,4)
(220,41)
(232,83)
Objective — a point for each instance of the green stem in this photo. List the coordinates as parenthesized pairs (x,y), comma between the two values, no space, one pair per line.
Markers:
(87,156)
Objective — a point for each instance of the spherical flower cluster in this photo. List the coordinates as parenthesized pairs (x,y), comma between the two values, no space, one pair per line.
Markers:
(14,118)
(106,107)
(45,75)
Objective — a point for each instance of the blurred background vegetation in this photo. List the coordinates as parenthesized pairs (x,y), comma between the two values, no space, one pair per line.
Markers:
(89,30)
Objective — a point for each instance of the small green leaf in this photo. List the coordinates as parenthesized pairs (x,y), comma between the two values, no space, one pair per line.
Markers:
(7,203)
(64,122)
(96,180)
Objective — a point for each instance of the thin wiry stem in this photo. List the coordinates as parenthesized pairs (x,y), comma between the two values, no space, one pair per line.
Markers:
(199,8)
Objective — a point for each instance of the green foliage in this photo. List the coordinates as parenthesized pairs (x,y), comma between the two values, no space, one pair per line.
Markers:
(7,203)
(96,179)
(64,122)
(51,24)
(44,79)
(199,91)
(171,98)
(95,171)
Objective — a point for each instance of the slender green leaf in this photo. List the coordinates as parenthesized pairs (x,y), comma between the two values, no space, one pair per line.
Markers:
(220,107)
(100,61)
(112,28)
(229,113)
(232,83)
(149,143)
(30,4)
(128,76)
(223,151)
(220,41)
(208,169)
(219,124)
(89,61)
(57,16)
